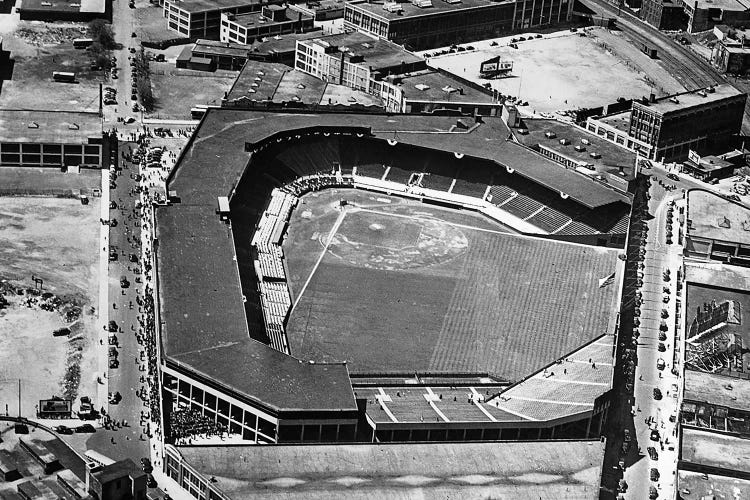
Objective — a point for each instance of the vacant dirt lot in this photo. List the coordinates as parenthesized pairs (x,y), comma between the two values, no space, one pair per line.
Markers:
(55,239)
(561,71)
(178,90)
(37,49)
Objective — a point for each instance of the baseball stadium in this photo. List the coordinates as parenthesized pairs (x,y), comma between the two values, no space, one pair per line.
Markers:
(365,278)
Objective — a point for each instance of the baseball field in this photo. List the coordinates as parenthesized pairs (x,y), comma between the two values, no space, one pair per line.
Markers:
(391,285)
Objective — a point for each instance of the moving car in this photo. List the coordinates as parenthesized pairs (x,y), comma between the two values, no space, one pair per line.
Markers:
(652,454)
(657,393)
(674,177)
(654,435)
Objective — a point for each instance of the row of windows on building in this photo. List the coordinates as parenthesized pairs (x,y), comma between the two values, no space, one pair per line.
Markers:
(193,483)
(49,154)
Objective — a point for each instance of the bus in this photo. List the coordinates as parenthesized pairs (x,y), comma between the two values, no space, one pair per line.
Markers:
(63,76)
(82,43)
(97,458)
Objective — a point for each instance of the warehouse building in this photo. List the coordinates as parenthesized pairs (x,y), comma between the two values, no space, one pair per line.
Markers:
(400,79)
(57,139)
(65,10)
(273,20)
(202,18)
(424,24)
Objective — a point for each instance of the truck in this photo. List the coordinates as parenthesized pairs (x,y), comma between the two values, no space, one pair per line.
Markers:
(64,76)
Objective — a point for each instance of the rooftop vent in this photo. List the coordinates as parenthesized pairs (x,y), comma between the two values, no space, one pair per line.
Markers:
(564,142)
(711,90)
(674,100)
(702,93)
(586,142)
(422,4)
(33,125)
(301,86)
(73,126)
(595,155)
(550,135)
(367,45)
(392,7)
(421,86)
(724,222)
(579,148)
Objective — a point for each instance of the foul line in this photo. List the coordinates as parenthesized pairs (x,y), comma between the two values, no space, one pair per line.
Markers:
(331,233)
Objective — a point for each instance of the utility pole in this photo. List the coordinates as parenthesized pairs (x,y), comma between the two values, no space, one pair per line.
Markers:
(19,398)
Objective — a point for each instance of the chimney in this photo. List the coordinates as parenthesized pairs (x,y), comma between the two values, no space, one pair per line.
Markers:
(652,97)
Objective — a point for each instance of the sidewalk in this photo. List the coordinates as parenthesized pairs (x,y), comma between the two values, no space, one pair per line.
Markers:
(103,349)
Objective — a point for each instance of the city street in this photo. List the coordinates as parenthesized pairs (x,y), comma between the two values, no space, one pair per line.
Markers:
(656,384)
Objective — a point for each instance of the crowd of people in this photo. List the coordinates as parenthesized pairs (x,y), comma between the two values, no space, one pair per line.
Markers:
(302,185)
(186,424)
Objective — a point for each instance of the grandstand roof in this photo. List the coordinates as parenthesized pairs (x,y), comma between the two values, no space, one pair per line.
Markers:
(204,326)
(518,470)
(730,392)
(487,141)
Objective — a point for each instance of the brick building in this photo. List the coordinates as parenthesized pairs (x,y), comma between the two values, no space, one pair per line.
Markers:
(424,24)
(701,120)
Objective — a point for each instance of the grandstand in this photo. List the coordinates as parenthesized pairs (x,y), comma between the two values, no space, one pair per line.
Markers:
(228,330)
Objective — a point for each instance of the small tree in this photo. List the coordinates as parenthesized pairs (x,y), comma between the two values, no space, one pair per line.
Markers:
(100,56)
(101,31)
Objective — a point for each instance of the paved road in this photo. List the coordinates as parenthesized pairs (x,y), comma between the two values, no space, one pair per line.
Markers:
(652,414)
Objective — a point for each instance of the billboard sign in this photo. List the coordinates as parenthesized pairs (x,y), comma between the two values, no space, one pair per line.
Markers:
(55,407)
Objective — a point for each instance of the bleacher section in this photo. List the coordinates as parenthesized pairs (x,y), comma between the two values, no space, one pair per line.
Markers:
(473,181)
(549,220)
(522,206)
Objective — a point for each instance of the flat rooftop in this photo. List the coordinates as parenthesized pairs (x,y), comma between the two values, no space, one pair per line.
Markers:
(519,470)
(265,81)
(376,52)
(619,121)
(694,486)
(726,5)
(691,99)
(411,10)
(429,85)
(715,449)
(613,157)
(63,127)
(731,277)
(257,20)
(64,5)
(716,218)
(221,48)
(258,80)
(715,389)
(195,6)
(281,44)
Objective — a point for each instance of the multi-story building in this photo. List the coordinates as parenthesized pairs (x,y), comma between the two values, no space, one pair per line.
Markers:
(705,14)
(52,139)
(731,53)
(701,120)
(424,24)
(321,10)
(202,18)
(381,68)
(664,14)
(716,229)
(273,20)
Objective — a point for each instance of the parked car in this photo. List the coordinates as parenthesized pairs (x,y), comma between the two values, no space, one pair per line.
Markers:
(662,347)
(674,177)
(62,429)
(657,393)
(652,453)
(88,428)
(61,332)
(124,283)
(654,474)
(654,436)
(146,465)
(112,326)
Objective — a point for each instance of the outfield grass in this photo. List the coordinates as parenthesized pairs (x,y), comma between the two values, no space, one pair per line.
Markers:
(457,299)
